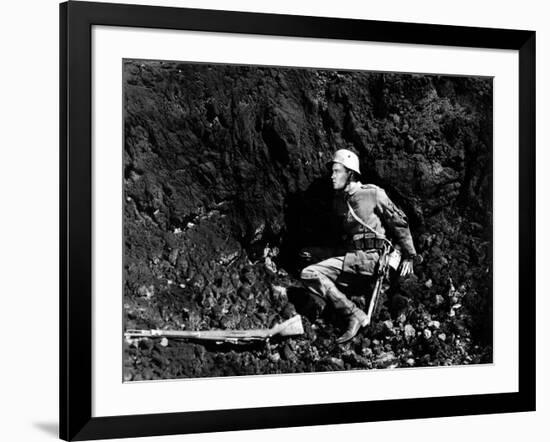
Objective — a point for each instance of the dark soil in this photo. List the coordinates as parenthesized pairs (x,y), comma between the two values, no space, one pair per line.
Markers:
(225,181)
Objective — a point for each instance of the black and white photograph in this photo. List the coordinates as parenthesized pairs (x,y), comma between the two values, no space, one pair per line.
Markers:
(286,220)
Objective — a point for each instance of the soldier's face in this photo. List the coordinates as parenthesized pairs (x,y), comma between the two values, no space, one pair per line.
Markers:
(339,176)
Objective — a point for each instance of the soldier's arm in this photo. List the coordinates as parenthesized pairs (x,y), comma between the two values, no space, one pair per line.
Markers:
(396,221)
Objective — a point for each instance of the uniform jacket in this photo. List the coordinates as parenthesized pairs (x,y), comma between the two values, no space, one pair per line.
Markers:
(373,206)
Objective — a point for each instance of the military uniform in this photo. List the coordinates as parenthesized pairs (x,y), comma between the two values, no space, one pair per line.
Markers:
(363,244)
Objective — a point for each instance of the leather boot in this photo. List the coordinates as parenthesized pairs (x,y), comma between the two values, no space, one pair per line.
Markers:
(357,320)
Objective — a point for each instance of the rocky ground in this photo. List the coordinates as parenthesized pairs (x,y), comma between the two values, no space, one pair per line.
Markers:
(225,181)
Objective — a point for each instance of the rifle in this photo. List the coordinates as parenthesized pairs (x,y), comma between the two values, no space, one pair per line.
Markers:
(386,261)
(290,327)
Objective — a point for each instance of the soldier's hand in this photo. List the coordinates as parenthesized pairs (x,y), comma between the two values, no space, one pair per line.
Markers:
(406,267)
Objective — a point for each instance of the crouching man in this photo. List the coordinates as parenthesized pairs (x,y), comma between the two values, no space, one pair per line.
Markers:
(369,219)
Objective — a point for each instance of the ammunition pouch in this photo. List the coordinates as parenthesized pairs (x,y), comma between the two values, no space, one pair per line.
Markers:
(367,242)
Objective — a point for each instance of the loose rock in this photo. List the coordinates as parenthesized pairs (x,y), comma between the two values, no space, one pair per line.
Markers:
(409,331)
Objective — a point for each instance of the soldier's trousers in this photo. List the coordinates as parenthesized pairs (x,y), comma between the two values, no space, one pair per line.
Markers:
(321,278)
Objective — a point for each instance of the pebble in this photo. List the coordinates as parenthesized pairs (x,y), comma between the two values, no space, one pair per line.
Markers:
(384,360)
(429,283)
(338,362)
(270,265)
(288,353)
(410,362)
(409,331)
(146,292)
(164,342)
(388,324)
(173,257)
(315,354)
(279,292)
(427,334)
(439,299)
(367,352)
(442,336)
(434,324)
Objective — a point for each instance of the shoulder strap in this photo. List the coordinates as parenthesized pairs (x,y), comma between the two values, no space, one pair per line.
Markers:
(360,221)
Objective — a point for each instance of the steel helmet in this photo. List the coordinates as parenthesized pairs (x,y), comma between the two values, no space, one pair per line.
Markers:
(348,159)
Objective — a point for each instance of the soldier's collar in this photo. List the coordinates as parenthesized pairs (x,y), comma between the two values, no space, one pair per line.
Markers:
(353,187)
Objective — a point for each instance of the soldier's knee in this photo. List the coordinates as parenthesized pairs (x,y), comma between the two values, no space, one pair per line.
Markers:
(309,274)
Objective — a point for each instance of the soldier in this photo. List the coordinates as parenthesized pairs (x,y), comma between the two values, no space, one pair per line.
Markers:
(368,214)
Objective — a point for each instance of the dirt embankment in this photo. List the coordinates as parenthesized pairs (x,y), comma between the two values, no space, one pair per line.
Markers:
(225,181)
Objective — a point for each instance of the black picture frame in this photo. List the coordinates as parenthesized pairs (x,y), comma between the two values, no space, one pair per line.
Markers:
(76,21)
